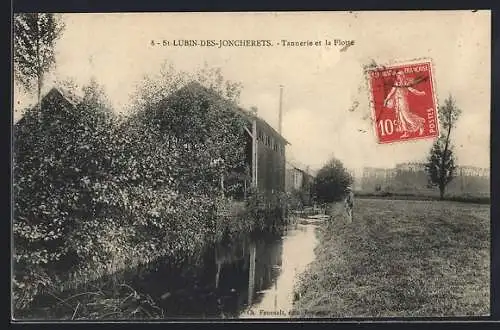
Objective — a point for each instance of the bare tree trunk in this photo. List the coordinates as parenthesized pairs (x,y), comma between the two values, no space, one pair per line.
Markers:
(38,65)
(442,174)
(39,92)
(222,184)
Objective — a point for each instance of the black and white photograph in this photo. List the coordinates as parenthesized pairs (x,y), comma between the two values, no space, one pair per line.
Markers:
(251,165)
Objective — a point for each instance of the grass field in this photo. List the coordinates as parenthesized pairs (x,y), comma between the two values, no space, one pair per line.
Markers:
(400,258)
(466,198)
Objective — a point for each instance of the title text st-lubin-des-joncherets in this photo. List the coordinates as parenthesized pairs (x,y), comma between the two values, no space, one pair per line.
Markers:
(252,43)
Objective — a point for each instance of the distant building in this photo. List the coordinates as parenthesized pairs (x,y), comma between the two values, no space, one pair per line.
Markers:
(357,180)
(299,182)
(471,179)
(412,178)
(375,178)
(296,177)
(473,171)
(411,167)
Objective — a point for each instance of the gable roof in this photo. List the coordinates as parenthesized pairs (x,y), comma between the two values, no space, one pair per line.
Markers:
(63,93)
(194,85)
(72,98)
(300,167)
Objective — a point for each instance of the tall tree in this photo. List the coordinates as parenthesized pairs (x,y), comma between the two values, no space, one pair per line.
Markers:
(35,35)
(331,181)
(95,94)
(167,80)
(441,161)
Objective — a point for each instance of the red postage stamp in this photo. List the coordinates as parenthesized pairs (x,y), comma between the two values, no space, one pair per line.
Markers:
(403,102)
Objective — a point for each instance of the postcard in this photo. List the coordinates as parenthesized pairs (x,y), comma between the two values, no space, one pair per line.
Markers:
(251,165)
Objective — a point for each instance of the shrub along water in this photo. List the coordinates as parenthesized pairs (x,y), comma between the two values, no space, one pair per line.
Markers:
(95,193)
(260,212)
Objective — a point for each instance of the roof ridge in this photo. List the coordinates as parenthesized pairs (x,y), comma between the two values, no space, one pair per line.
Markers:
(73,98)
(241,109)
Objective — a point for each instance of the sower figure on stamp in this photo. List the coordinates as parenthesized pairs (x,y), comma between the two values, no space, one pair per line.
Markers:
(349,203)
(397,99)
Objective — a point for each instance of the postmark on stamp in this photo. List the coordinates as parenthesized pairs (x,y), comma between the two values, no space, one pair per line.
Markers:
(403,101)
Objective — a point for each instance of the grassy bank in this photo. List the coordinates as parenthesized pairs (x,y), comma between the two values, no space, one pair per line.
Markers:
(108,300)
(465,198)
(400,259)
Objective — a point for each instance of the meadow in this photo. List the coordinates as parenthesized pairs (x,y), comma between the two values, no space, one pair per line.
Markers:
(400,258)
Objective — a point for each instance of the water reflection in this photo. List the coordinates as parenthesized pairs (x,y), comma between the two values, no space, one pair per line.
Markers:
(245,278)
(295,253)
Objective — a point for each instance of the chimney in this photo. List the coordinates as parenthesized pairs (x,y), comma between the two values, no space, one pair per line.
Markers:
(280,109)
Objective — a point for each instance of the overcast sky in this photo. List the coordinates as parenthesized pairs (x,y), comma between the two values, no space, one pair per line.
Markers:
(320,83)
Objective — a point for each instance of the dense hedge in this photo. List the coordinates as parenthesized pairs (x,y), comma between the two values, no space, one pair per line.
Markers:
(95,192)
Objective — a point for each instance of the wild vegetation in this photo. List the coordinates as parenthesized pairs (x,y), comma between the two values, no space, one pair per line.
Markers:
(95,192)
(400,259)
(330,182)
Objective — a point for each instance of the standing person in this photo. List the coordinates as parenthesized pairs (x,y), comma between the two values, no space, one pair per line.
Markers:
(349,202)
(397,99)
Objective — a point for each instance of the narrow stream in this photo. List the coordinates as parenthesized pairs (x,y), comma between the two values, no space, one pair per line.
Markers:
(277,300)
(250,277)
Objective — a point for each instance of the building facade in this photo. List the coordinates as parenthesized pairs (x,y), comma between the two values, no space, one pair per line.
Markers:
(265,148)
(270,165)
(299,183)
(297,177)
(374,179)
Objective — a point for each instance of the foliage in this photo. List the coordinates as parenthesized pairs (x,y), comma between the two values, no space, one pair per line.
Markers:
(205,133)
(35,35)
(61,160)
(228,223)
(303,194)
(95,95)
(266,211)
(295,201)
(94,191)
(261,211)
(156,87)
(110,301)
(197,116)
(331,181)
(441,166)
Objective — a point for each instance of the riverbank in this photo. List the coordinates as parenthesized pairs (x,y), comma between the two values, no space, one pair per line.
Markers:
(400,259)
(254,272)
(128,249)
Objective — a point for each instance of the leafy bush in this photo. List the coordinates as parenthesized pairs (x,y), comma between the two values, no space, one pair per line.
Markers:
(266,211)
(94,192)
(60,166)
(331,181)
(295,201)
